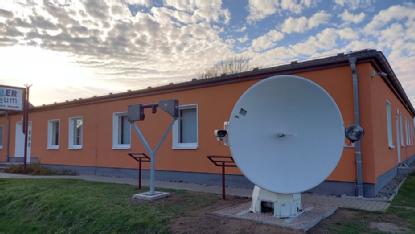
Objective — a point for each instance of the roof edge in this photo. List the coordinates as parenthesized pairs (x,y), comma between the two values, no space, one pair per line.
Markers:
(314,64)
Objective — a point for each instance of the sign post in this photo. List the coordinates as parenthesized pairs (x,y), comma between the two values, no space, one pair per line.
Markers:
(25,123)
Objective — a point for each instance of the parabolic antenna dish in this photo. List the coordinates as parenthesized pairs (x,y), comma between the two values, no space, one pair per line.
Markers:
(286,134)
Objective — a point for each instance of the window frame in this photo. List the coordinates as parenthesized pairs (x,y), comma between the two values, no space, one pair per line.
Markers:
(176,145)
(389,124)
(71,133)
(50,137)
(116,131)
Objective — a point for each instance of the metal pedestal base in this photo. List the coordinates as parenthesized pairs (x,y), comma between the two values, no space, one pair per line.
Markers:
(147,196)
(283,205)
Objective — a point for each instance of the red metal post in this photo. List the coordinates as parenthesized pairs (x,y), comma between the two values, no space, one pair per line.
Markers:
(25,124)
(139,173)
(222,161)
(223,182)
(140,158)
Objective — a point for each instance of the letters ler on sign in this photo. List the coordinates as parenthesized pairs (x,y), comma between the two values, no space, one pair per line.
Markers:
(11,98)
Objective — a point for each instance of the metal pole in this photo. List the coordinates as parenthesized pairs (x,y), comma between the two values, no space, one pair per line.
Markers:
(8,136)
(152,172)
(223,182)
(151,152)
(25,125)
(153,158)
(139,173)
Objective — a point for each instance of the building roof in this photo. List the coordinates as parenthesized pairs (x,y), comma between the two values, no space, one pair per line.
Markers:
(375,57)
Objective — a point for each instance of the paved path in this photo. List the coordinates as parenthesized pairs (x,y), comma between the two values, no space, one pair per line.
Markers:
(344,202)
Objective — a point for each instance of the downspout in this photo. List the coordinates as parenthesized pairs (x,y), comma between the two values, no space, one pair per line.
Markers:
(357,144)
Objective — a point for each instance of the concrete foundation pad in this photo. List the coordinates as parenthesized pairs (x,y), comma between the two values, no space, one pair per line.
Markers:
(310,216)
(147,196)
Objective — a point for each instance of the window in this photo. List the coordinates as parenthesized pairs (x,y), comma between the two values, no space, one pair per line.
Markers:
(389,124)
(76,127)
(185,129)
(1,137)
(401,129)
(121,131)
(53,134)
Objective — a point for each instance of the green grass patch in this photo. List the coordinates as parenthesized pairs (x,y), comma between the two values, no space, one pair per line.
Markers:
(74,206)
(406,195)
(36,169)
(403,205)
(401,213)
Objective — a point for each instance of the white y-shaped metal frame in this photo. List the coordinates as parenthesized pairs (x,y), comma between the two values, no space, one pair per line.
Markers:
(152,152)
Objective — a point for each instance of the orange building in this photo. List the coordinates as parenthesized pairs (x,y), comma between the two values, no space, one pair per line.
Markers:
(93,136)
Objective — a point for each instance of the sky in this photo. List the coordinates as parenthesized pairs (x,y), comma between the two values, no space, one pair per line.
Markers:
(76,49)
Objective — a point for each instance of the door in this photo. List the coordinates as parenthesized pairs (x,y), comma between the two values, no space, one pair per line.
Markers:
(398,138)
(19,143)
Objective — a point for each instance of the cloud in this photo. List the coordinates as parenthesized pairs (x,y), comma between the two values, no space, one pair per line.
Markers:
(303,24)
(348,33)
(6,14)
(100,47)
(170,42)
(146,3)
(260,9)
(243,39)
(384,17)
(354,4)
(267,40)
(212,11)
(241,29)
(352,18)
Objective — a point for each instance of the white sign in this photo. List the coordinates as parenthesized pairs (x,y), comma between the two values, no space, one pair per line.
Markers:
(11,98)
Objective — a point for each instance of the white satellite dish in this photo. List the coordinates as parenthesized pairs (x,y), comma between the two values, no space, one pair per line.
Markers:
(286,134)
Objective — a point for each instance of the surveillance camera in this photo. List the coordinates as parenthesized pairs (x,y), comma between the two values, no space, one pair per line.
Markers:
(220,134)
(354,133)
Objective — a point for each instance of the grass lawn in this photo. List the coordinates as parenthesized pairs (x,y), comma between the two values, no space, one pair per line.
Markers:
(73,206)
(401,214)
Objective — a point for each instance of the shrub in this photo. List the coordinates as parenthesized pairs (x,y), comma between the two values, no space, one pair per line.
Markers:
(36,169)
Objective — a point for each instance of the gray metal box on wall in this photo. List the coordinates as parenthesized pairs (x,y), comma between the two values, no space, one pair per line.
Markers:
(170,107)
(135,113)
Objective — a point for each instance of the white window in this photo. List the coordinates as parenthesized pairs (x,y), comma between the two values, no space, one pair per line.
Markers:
(401,129)
(389,124)
(185,129)
(53,134)
(121,131)
(76,129)
(1,137)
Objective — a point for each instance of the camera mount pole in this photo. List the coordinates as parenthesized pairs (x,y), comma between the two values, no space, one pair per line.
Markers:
(137,113)
(152,152)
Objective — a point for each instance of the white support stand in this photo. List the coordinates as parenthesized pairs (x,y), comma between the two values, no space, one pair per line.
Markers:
(284,205)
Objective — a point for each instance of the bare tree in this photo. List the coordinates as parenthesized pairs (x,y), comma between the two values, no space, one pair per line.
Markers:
(226,67)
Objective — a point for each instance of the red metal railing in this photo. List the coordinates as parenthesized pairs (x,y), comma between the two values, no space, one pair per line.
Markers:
(140,158)
(223,162)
